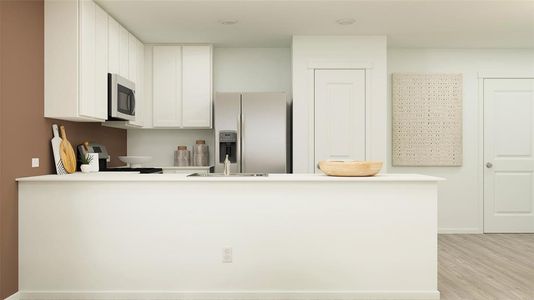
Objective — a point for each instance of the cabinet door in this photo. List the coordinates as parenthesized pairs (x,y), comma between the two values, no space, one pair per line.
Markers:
(113,46)
(132,59)
(136,74)
(123,52)
(140,85)
(167,86)
(86,95)
(339,115)
(101,63)
(197,95)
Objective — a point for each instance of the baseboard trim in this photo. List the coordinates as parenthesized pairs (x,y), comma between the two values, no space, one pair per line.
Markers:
(460,230)
(225,295)
(15,296)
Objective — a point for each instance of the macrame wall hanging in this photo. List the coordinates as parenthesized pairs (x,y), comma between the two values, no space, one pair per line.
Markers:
(427,119)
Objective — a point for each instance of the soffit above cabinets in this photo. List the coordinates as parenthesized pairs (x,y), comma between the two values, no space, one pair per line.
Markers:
(427,24)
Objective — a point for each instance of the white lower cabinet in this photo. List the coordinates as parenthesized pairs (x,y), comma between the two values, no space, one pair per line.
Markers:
(182,86)
(75,61)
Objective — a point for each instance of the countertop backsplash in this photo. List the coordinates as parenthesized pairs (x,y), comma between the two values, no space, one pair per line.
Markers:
(161,143)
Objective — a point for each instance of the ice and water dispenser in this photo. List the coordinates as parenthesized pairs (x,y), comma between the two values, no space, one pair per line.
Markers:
(228,145)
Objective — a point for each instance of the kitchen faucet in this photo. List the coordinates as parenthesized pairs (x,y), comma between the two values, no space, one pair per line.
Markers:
(226,166)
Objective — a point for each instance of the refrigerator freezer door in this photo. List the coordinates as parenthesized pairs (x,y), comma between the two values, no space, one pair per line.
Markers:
(227,108)
(264,133)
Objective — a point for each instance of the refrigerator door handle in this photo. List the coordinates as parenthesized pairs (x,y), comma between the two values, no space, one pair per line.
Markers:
(238,154)
(243,126)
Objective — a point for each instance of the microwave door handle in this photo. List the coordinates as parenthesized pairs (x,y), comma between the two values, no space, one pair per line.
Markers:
(133,103)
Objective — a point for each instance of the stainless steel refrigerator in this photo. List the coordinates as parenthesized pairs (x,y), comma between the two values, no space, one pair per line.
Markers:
(252,128)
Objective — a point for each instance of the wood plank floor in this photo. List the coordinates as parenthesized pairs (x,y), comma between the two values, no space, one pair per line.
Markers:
(486,266)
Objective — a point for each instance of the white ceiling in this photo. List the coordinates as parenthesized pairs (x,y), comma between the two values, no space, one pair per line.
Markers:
(428,24)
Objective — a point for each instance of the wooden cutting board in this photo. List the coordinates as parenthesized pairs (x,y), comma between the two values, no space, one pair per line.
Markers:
(56,142)
(68,157)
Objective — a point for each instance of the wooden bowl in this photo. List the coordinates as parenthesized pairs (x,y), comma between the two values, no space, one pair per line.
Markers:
(350,168)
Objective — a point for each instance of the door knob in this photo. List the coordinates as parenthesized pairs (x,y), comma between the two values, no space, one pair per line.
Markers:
(489,165)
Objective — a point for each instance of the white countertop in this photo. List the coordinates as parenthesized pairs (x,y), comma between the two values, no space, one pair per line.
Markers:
(135,177)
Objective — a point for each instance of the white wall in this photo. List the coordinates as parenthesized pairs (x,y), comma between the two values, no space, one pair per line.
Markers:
(460,197)
(252,70)
(357,50)
(234,70)
(161,143)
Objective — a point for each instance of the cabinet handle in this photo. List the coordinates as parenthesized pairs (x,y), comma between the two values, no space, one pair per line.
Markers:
(489,165)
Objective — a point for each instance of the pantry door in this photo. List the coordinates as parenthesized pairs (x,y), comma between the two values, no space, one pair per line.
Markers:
(339,115)
(508,155)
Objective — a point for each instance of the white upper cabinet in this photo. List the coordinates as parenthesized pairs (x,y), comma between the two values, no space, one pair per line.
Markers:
(126,57)
(182,86)
(196,95)
(87,59)
(75,61)
(101,62)
(113,46)
(136,59)
(167,86)
(118,49)
(123,53)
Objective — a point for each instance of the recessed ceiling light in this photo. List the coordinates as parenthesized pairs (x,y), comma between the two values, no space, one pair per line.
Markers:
(346,21)
(228,22)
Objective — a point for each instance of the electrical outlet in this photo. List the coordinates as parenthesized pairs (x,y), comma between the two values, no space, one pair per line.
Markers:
(35,162)
(227,255)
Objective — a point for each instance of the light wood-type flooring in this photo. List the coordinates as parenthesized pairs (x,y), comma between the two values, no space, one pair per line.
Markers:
(486,266)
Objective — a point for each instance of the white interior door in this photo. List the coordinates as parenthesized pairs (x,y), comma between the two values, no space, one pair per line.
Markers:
(339,115)
(508,154)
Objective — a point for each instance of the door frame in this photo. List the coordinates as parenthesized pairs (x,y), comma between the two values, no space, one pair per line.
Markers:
(480,146)
(367,67)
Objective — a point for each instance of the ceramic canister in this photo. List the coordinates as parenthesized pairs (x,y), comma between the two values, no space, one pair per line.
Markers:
(201,154)
(182,157)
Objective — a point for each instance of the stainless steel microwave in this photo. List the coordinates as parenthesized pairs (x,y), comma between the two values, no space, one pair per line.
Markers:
(121,98)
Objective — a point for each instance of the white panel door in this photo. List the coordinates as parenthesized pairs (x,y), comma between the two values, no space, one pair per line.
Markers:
(101,63)
(339,115)
(87,59)
(197,95)
(123,52)
(167,86)
(508,154)
(113,46)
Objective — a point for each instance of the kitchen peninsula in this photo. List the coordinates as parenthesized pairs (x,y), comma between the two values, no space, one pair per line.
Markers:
(169,236)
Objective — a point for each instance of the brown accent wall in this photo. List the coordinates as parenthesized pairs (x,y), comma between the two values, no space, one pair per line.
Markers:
(24,132)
